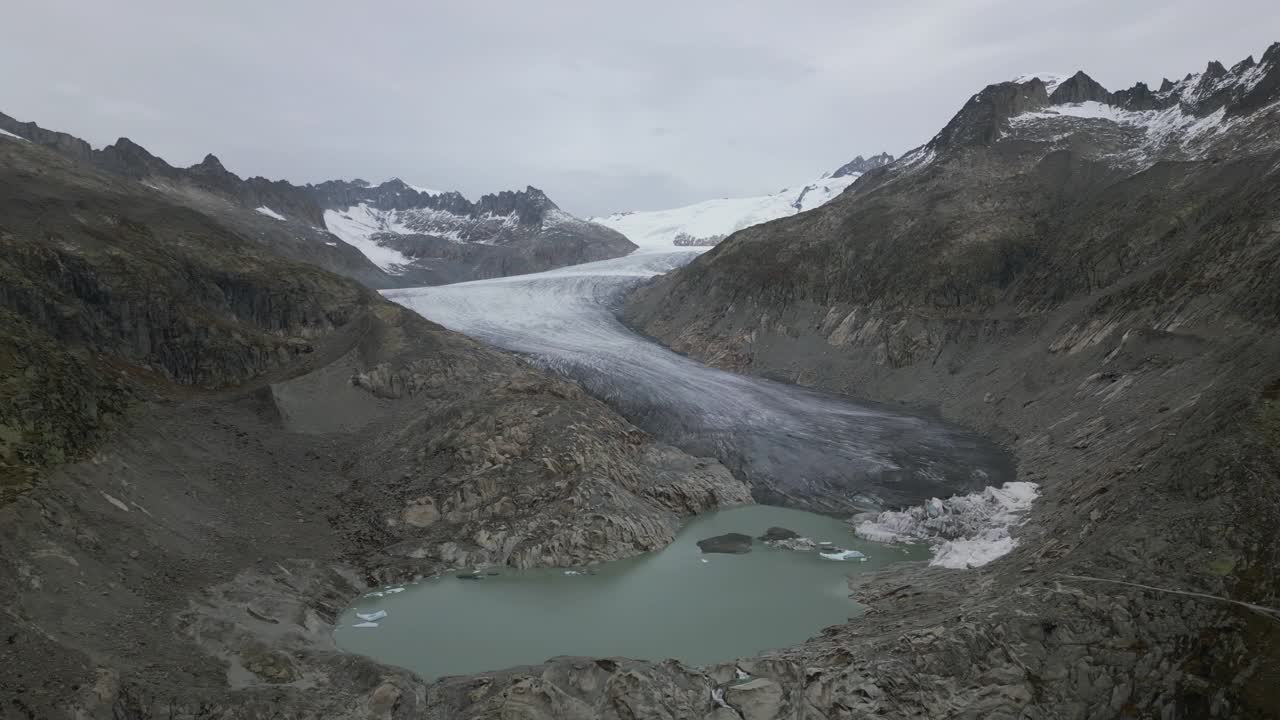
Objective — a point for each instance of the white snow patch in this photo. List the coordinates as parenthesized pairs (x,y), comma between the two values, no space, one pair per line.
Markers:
(357,225)
(264,210)
(115,501)
(6,133)
(426,190)
(658,228)
(1162,128)
(966,531)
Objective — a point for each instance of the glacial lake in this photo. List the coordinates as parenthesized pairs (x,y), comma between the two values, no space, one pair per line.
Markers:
(674,603)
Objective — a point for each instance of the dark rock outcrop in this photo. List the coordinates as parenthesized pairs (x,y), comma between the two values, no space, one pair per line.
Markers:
(1138,97)
(779,533)
(1080,88)
(863,165)
(979,122)
(60,142)
(728,544)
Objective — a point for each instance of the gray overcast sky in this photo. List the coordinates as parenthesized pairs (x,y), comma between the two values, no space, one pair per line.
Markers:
(607,106)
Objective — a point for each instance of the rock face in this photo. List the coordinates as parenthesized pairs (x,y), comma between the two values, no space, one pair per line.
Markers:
(758,699)
(1093,284)
(401,237)
(207,450)
(728,544)
(1080,88)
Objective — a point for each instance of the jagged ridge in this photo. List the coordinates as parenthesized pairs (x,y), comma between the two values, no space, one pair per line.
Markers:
(541,235)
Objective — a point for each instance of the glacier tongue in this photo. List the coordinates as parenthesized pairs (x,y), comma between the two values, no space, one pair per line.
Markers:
(966,530)
(794,445)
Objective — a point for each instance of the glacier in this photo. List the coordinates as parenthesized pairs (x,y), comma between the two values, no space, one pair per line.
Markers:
(795,446)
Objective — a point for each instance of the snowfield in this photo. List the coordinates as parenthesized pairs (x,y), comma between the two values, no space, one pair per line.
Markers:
(658,228)
(356,227)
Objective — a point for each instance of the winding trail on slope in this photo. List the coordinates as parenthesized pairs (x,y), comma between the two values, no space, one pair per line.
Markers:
(796,447)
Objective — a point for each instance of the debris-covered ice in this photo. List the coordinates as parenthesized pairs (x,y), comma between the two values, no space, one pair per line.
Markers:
(966,530)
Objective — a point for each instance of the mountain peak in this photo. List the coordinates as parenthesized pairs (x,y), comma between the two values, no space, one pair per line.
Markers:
(1080,88)
(980,120)
(210,163)
(127,157)
(1243,65)
(862,165)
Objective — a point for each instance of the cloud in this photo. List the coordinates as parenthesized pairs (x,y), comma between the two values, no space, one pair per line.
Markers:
(606,106)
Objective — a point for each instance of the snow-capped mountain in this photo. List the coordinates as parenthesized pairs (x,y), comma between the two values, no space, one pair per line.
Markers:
(387,235)
(707,222)
(1203,115)
(443,237)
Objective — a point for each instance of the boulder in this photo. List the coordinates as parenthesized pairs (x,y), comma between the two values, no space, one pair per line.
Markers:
(779,533)
(729,543)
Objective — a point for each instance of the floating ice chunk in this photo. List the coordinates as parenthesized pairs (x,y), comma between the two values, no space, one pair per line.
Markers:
(372,616)
(572,572)
(365,625)
(394,590)
(704,560)
(842,555)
